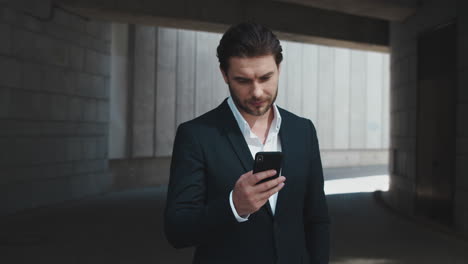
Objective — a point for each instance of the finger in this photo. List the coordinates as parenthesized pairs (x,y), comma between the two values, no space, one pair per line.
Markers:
(246,175)
(269,184)
(266,195)
(256,177)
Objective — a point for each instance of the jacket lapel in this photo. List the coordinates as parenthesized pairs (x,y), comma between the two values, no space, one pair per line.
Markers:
(235,137)
(287,145)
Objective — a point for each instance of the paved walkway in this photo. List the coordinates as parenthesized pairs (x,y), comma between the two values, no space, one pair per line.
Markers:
(126,227)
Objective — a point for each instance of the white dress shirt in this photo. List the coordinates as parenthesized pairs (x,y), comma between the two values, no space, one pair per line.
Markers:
(272,143)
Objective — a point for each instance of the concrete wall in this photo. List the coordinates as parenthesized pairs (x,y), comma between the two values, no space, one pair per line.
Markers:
(461,195)
(172,76)
(404,105)
(54,105)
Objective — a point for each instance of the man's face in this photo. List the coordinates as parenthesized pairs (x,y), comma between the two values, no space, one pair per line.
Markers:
(253,83)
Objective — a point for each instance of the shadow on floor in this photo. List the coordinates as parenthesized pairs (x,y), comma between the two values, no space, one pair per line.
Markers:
(127,227)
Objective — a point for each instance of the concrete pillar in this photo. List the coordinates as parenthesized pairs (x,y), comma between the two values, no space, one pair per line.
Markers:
(404,101)
(326,97)
(143,92)
(119,83)
(342,62)
(166,91)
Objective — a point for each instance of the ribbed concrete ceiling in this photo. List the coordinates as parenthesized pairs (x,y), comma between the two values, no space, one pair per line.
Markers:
(393,10)
(290,21)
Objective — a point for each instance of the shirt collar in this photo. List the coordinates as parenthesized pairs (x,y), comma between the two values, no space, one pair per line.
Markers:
(244,126)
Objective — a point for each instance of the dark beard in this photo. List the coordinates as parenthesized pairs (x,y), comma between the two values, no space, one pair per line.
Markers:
(247,110)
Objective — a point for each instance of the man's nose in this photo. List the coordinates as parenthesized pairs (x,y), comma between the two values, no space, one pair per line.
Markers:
(257,90)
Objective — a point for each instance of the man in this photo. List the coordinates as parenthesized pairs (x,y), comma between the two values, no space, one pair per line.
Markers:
(214,202)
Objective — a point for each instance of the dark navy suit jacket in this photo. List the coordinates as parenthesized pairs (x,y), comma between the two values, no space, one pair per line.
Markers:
(209,156)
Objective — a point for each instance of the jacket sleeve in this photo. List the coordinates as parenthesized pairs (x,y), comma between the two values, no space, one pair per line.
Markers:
(191,219)
(316,218)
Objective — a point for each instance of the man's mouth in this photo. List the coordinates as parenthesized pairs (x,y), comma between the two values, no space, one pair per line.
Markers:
(257,103)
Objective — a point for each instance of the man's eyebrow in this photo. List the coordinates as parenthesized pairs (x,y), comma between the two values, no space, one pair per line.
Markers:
(267,74)
(246,78)
(240,78)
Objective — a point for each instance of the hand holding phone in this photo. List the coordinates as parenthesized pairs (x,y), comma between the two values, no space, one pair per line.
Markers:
(249,195)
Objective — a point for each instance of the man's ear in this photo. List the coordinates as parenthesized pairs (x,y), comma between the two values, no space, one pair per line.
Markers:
(279,68)
(225,77)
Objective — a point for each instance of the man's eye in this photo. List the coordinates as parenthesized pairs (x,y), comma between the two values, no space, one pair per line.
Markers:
(243,81)
(265,78)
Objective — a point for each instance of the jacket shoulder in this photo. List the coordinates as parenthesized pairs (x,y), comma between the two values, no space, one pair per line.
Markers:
(204,122)
(295,120)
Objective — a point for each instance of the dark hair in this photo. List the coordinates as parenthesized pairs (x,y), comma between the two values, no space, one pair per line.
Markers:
(248,39)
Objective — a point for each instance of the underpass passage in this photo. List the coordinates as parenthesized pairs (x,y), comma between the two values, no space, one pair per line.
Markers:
(127,227)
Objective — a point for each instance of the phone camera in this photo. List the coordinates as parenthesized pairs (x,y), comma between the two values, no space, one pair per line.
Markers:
(260,158)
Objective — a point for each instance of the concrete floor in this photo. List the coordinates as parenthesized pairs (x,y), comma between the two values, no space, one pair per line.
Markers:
(126,227)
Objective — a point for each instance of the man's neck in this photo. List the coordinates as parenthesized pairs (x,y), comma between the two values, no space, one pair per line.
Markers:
(260,125)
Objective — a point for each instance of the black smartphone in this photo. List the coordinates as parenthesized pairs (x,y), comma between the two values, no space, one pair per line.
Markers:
(268,160)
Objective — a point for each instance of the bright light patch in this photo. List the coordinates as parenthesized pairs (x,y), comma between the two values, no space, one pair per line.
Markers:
(357,185)
(364,261)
